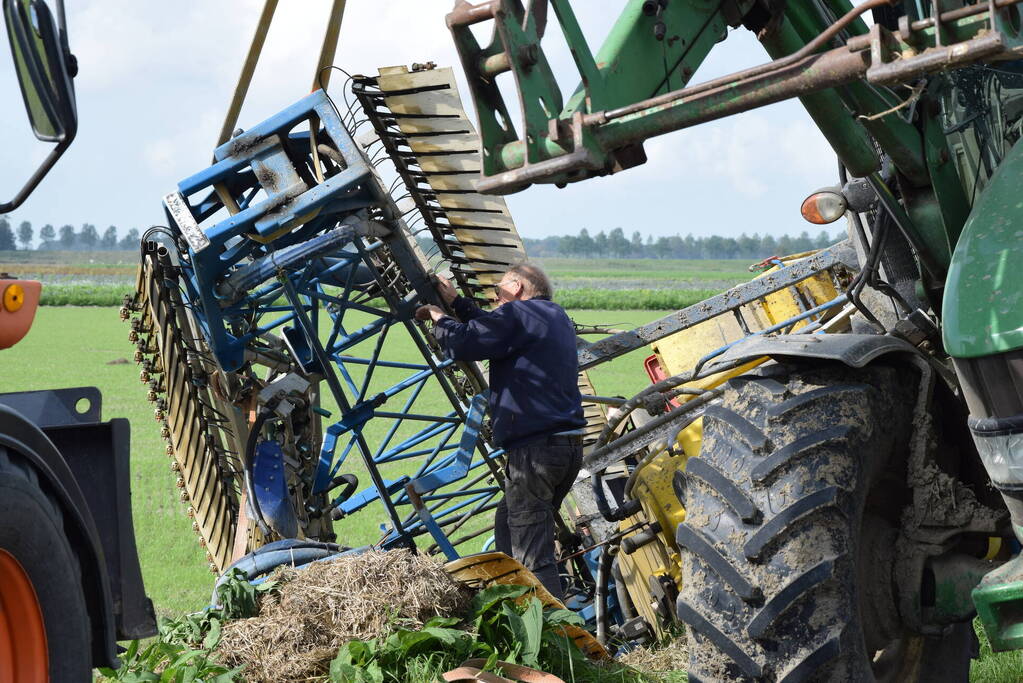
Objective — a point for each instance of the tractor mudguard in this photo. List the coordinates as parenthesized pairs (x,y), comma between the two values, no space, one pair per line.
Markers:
(981,311)
(84,464)
(854,350)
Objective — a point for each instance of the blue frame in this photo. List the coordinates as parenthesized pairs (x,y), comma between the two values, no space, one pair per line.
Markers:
(290,261)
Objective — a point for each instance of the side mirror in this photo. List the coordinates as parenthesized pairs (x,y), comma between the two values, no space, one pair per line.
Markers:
(45,67)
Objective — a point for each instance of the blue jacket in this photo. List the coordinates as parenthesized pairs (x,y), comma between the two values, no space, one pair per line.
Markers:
(534,370)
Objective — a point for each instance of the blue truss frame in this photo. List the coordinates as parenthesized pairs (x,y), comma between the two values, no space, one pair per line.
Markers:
(281,254)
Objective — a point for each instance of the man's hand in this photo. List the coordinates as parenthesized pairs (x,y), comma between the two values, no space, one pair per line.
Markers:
(430,312)
(446,290)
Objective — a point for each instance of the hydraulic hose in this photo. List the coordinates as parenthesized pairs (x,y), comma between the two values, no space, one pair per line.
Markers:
(593,459)
(625,603)
(627,509)
(290,551)
(665,384)
(600,599)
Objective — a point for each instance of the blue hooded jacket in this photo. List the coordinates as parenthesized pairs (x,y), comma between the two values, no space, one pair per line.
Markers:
(534,369)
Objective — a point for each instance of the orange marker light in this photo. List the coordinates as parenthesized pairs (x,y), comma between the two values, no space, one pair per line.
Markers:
(824,206)
(14,297)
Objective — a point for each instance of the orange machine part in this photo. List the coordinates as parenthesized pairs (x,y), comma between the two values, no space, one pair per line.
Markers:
(23,655)
(14,324)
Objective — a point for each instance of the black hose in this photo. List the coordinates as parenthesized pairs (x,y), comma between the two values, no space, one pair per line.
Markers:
(351,483)
(627,509)
(687,407)
(603,583)
(663,385)
(625,603)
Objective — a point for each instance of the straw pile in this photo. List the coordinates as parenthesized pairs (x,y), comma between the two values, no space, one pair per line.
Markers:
(299,630)
(658,662)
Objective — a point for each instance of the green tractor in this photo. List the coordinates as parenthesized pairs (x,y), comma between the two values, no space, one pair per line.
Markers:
(859,498)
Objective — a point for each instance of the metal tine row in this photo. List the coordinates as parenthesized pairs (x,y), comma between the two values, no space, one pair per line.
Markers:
(419,119)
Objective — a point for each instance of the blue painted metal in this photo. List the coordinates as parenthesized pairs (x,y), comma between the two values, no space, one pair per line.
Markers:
(323,266)
(291,213)
(460,465)
(271,488)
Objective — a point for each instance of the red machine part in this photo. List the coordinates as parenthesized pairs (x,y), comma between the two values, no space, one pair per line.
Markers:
(23,654)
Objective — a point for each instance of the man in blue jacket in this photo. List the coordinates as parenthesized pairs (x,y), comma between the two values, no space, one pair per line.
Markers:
(536,410)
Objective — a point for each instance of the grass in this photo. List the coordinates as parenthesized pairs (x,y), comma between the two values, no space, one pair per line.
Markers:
(84,294)
(65,259)
(102,279)
(75,346)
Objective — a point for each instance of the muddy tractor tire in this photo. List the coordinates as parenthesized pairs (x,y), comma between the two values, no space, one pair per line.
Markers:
(789,541)
(42,603)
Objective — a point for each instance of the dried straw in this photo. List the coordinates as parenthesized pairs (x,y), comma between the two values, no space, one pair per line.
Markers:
(654,662)
(322,606)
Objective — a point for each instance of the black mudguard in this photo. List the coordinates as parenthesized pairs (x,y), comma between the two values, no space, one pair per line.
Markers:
(85,466)
(854,350)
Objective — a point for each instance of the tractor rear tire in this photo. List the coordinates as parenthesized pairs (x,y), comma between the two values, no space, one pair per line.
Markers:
(792,510)
(32,531)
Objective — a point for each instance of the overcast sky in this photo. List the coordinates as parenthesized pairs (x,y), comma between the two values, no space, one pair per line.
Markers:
(156,77)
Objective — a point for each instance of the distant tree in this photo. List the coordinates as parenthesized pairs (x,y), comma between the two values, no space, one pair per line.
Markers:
(617,245)
(88,236)
(109,240)
(585,243)
(47,233)
(637,245)
(67,236)
(6,236)
(600,244)
(131,240)
(25,234)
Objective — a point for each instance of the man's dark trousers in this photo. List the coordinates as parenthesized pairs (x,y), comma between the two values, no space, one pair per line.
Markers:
(539,476)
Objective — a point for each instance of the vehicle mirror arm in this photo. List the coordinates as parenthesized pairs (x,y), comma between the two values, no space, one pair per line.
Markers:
(39,174)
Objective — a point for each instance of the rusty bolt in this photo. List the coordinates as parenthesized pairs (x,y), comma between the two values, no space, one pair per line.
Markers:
(190,512)
(529,55)
(144,377)
(133,336)
(158,415)
(139,357)
(184,496)
(175,467)
(151,396)
(165,433)
(180,483)
(213,569)
(195,527)
(125,313)
(202,542)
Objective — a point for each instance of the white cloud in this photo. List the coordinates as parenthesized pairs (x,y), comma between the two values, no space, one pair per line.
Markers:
(156,78)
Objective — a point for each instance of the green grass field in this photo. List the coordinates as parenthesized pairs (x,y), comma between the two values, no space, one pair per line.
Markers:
(73,346)
(103,278)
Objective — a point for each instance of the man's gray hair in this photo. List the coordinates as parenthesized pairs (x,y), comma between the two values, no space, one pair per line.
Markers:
(535,280)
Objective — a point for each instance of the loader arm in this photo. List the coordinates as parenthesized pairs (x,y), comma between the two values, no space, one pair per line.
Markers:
(636,87)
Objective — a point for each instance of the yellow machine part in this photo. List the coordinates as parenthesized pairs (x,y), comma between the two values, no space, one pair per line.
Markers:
(651,481)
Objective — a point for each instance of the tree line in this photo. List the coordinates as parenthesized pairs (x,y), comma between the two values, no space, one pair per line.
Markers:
(612,244)
(615,244)
(65,238)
